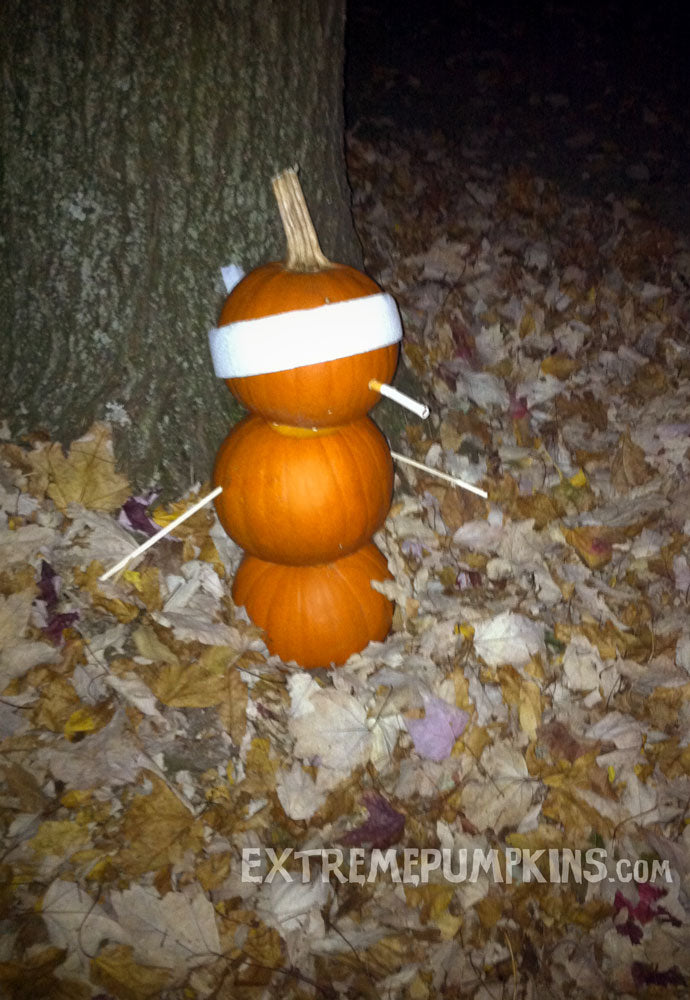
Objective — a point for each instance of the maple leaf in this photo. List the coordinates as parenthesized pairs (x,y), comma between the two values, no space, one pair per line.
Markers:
(297,793)
(434,735)
(175,928)
(86,475)
(186,685)
(156,830)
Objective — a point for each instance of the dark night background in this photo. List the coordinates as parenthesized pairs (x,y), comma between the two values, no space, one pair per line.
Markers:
(595,98)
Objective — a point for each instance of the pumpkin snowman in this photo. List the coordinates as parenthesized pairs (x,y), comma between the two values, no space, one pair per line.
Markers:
(307,477)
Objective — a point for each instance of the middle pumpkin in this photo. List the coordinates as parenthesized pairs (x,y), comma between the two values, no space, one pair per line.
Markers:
(303,496)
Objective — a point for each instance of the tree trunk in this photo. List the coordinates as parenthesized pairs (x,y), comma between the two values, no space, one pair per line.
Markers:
(139,141)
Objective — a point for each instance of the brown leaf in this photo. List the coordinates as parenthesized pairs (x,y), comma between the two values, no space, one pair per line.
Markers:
(115,969)
(86,475)
(23,786)
(185,685)
(156,830)
(561,743)
(233,707)
(593,544)
(629,467)
(88,580)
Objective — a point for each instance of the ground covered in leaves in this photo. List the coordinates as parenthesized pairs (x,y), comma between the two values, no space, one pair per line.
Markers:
(529,707)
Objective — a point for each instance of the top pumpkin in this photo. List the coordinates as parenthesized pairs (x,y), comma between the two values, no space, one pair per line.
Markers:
(299,341)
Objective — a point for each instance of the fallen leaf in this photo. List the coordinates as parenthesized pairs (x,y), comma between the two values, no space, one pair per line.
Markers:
(86,475)
(434,734)
(115,968)
(156,830)
(383,828)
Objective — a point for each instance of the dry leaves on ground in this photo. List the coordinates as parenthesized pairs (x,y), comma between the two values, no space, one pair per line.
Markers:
(533,696)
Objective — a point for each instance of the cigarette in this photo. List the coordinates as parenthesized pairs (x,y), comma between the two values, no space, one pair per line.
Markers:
(441,475)
(421,409)
(164,531)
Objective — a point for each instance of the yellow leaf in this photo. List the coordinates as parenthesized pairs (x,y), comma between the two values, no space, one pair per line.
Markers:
(88,719)
(416,356)
(264,948)
(209,554)
(196,527)
(260,768)
(151,647)
(579,479)
(186,685)
(418,989)
(212,871)
(59,837)
(559,366)
(530,708)
(76,797)
(115,969)
(431,899)
(543,838)
(58,701)
(510,681)
(592,543)
(566,496)
(88,580)
(156,831)
(566,908)
(489,910)
(86,475)
(527,324)
(102,871)
(448,925)
(575,815)
(539,506)
(218,659)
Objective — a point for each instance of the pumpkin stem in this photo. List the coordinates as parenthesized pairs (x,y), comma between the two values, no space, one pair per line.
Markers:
(303,250)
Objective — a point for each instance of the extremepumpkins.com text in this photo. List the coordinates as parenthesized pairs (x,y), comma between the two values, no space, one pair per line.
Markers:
(414,866)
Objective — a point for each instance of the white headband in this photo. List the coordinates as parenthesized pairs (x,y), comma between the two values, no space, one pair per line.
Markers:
(305,336)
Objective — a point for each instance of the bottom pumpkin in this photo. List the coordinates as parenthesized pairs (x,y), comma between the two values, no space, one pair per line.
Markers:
(317,616)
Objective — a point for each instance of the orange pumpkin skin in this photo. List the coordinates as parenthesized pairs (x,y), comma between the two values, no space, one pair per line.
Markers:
(324,394)
(303,497)
(317,615)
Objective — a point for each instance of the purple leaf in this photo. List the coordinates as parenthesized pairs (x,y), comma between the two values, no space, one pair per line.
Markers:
(57,623)
(518,407)
(467,579)
(434,735)
(413,549)
(133,514)
(383,827)
(648,975)
(645,910)
(630,930)
(464,341)
(49,585)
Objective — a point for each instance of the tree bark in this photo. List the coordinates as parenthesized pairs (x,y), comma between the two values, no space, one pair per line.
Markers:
(139,141)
